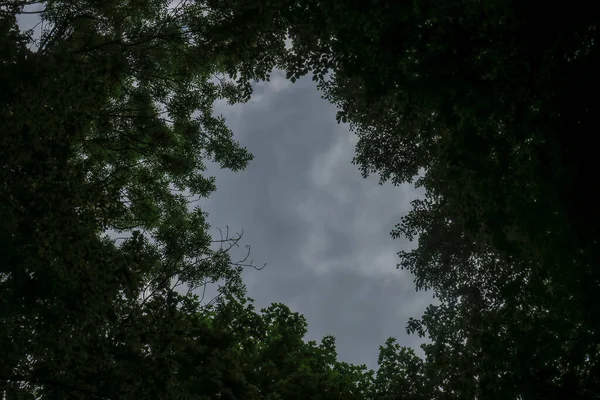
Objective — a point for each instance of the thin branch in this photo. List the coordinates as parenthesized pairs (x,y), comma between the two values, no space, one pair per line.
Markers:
(204,289)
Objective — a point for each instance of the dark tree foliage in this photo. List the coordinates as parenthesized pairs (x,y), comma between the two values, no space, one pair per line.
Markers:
(491,107)
(106,118)
(106,121)
(279,364)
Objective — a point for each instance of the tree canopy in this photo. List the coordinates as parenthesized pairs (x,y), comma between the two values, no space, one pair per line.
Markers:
(107,122)
(490,107)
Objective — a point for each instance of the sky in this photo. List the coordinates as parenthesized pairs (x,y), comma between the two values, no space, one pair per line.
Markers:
(322,229)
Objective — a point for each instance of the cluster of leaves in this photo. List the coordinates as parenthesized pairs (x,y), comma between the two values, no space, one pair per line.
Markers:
(277,363)
(490,107)
(106,121)
(106,118)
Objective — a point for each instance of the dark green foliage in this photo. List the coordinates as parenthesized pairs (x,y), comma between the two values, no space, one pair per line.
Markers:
(105,126)
(279,364)
(491,107)
(401,375)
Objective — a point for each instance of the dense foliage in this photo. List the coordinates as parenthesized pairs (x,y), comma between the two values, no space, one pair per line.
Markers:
(106,122)
(491,107)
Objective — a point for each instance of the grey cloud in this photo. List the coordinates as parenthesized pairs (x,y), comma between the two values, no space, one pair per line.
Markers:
(321,227)
(306,211)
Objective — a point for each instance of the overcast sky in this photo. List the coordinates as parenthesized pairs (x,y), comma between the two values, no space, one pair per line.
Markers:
(321,228)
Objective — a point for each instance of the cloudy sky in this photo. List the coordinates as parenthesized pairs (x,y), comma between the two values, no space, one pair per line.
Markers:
(321,228)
